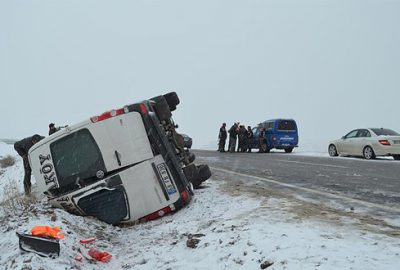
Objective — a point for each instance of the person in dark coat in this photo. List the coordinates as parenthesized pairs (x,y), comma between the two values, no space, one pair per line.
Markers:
(261,141)
(22,147)
(250,136)
(222,138)
(233,133)
(242,139)
(52,128)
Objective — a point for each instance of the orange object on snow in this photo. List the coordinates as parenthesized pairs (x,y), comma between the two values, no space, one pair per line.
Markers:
(100,256)
(87,240)
(47,231)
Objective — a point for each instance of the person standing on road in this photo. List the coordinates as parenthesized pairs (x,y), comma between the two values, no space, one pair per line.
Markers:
(22,147)
(262,146)
(233,132)
(222,138)
(242,147)
(250,136)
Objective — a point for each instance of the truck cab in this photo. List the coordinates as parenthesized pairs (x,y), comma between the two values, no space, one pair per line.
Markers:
(121,166)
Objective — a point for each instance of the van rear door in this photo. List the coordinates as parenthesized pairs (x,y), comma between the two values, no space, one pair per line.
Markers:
(128,195)
(122,140)
(286,133)
(149,187)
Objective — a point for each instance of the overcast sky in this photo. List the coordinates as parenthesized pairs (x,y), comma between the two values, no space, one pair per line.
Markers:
(330,65)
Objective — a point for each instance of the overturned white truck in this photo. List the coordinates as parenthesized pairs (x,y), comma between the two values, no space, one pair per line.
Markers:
(122,166)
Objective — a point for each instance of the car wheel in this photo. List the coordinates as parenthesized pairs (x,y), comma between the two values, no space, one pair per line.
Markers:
(172,100)
(332,150)
(289,150)
(396,157)
(368,152)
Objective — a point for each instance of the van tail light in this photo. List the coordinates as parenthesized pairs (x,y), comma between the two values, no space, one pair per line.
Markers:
(384,142)
(157,214)
(185,197)
(107,115)
(143,108)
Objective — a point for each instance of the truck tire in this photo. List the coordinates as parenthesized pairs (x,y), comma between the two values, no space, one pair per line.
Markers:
(191,157)
(161,108)
(204,174)
(191,172)
(172,100)
(289,150)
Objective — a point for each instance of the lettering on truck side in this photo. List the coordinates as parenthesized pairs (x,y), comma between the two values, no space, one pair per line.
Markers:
(47,169)
(68,204)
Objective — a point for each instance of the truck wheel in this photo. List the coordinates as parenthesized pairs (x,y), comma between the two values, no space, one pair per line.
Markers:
(162,108)
(172,100)
(204,174)
(191,172)
(191,157)
(289,150)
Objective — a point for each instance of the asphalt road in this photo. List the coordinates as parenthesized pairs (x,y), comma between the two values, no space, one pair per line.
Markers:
(372,182)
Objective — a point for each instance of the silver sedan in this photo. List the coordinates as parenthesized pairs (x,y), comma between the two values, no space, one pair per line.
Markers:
(368,142)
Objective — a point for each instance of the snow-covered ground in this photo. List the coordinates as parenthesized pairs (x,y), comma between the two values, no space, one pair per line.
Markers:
(234,230)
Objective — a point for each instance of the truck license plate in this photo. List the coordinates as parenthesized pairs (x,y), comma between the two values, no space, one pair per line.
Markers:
(166,179)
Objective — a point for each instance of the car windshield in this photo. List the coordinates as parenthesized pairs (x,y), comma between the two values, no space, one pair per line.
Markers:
(76,157)
(287,125)
(384,132)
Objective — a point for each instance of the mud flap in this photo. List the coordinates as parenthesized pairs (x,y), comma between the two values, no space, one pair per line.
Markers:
(45,247)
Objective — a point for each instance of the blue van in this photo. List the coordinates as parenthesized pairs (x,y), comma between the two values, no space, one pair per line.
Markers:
(280,134)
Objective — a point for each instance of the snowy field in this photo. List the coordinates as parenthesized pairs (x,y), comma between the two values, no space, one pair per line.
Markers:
(220,229)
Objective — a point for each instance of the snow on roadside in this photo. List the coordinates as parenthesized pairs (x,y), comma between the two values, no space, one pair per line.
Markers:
(234,232)
(13,175)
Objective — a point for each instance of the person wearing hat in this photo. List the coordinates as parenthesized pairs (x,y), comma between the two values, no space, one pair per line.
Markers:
(22,147)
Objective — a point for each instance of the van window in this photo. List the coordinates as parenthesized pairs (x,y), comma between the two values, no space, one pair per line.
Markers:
(77,157)
(286,125)
(269,125)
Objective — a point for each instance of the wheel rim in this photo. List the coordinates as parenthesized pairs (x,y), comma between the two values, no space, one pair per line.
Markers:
(332,150)
(368,153)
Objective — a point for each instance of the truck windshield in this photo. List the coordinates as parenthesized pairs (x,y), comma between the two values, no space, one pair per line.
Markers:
(77,157)
(287,125)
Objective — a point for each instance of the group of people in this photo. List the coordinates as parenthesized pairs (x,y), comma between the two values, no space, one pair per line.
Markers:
(238,134)
(22,147)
